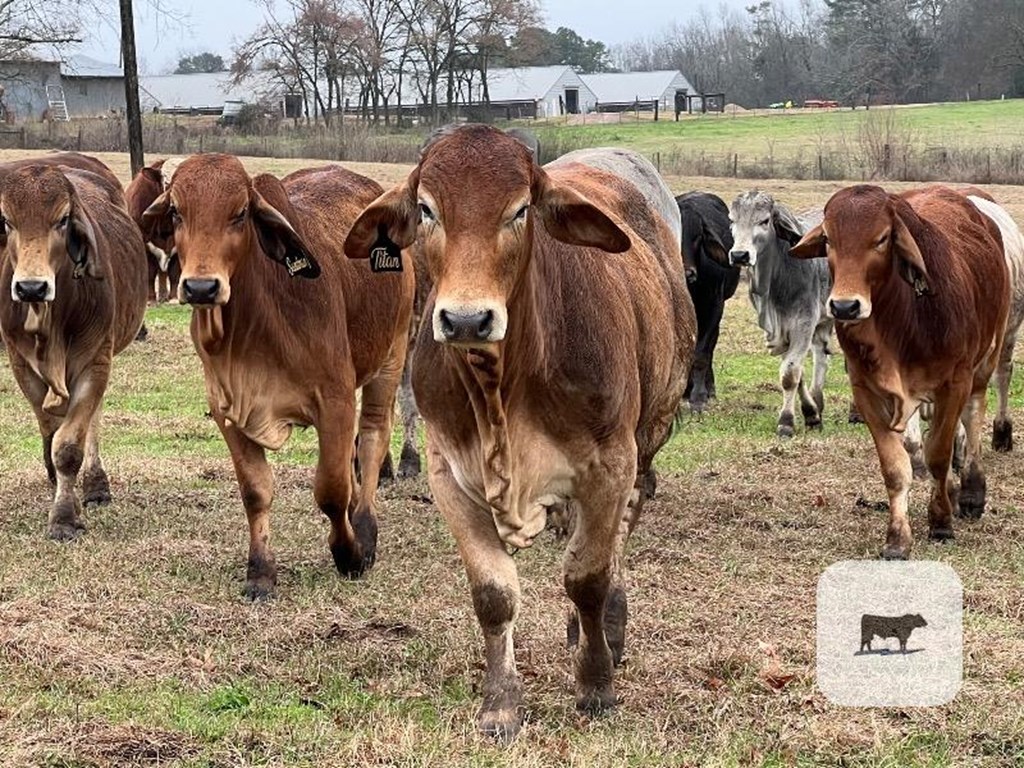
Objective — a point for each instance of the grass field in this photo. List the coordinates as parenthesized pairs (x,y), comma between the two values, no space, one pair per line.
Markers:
(133,646)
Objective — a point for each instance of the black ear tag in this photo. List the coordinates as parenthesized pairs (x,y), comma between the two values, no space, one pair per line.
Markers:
(385,256)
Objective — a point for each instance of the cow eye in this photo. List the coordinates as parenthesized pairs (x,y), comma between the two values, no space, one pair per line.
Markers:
(766,222)
(521,213)
(239,217)
(882,240)
(6,224)
(64,221)
(175,216)
(427,215)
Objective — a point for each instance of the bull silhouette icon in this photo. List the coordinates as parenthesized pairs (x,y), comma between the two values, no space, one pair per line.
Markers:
(885,627)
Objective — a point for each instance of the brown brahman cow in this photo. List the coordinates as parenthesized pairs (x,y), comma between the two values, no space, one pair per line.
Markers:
(920,295)
(164,268)
(552,358)
(74,293)
(279,352)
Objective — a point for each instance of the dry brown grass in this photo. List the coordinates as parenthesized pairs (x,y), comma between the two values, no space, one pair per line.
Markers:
(133,646)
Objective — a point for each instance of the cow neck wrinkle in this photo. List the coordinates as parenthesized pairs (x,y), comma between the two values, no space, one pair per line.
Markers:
(489,382)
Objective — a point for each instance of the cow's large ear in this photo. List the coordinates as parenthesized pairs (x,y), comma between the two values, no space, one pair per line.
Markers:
(714,247)
(278,238)
(156,219)
(786,224)
(570,218)
(80,239)
(391,221)
(909,261)
(811,245)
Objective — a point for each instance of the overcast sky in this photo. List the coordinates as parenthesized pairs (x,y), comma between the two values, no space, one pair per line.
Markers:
(215,25)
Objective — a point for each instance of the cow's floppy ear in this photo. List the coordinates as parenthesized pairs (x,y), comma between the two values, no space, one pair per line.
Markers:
(80,239)
(570,218)
(786,225)
(909,261)
(714,247)
(156,219)
(278,238)
(392,221)
(811,246)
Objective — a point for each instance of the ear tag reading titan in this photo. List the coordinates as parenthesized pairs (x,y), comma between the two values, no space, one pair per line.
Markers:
(295,264)
(385,256)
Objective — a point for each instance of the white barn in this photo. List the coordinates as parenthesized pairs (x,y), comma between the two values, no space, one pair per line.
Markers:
(668,87)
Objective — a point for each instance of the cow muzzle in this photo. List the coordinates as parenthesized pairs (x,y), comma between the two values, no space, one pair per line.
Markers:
(849,309)
(466,325)
(200,291)
(32,290)
(740,258)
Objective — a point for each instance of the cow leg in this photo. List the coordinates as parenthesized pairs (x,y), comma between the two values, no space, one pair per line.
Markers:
(95,484)
(409,464)
(353,537)
(914,445)
(494,583)
(592,577)
(34,390)
(896,473)
(154,271)
(819,352)
(256,486)
(162,287)
(1002,426)
(790,374)
(173,276)
(971,500)
(945,418)
(65,521)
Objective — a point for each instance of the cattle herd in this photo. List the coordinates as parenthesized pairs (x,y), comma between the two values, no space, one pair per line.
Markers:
(546,322)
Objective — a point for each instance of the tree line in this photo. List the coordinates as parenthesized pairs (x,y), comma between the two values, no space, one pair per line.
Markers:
(370,55)
(854,51)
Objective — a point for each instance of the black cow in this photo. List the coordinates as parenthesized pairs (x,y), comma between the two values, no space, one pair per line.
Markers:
(707,240)
(899,627)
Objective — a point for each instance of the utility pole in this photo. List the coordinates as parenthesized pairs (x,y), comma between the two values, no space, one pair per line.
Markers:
(131,86)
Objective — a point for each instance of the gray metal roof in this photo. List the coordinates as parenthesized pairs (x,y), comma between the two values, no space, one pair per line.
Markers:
(86,66)
(199,91)
(625,87)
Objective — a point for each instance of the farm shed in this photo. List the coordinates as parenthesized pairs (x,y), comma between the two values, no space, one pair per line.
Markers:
(513,92)
(205,93)
(89,88)
(92,88)
(622,90)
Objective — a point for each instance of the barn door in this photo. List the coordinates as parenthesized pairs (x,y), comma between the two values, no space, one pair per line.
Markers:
(572,101)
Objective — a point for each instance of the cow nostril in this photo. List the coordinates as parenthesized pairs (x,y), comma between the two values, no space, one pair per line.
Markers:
(31,290)
(486,325)
(447,327)
(845,309)
(201,291)
(739,258)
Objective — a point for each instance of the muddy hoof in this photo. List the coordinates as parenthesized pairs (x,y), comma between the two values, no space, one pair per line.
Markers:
(784,430)
(814,424)
(1002,436)
(894,553)
(941,534)
(65,531)
(259,590)
(143,333)
(597,702)
(920,469)
(854,416)
(502,725)
(96,490)
(969,509)
(409,463)
(387,470)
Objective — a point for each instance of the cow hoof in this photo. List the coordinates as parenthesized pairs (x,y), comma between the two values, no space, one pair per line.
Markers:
(968,509)
(502,725)
(814,424)
(65,531)
(895,553)
(1002,436)
(387,470)
(143,333)
(259,590)
(96,490)
(409,463)
(854,416)
(920,469)
(784,430)
(941,534)
(597,702)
